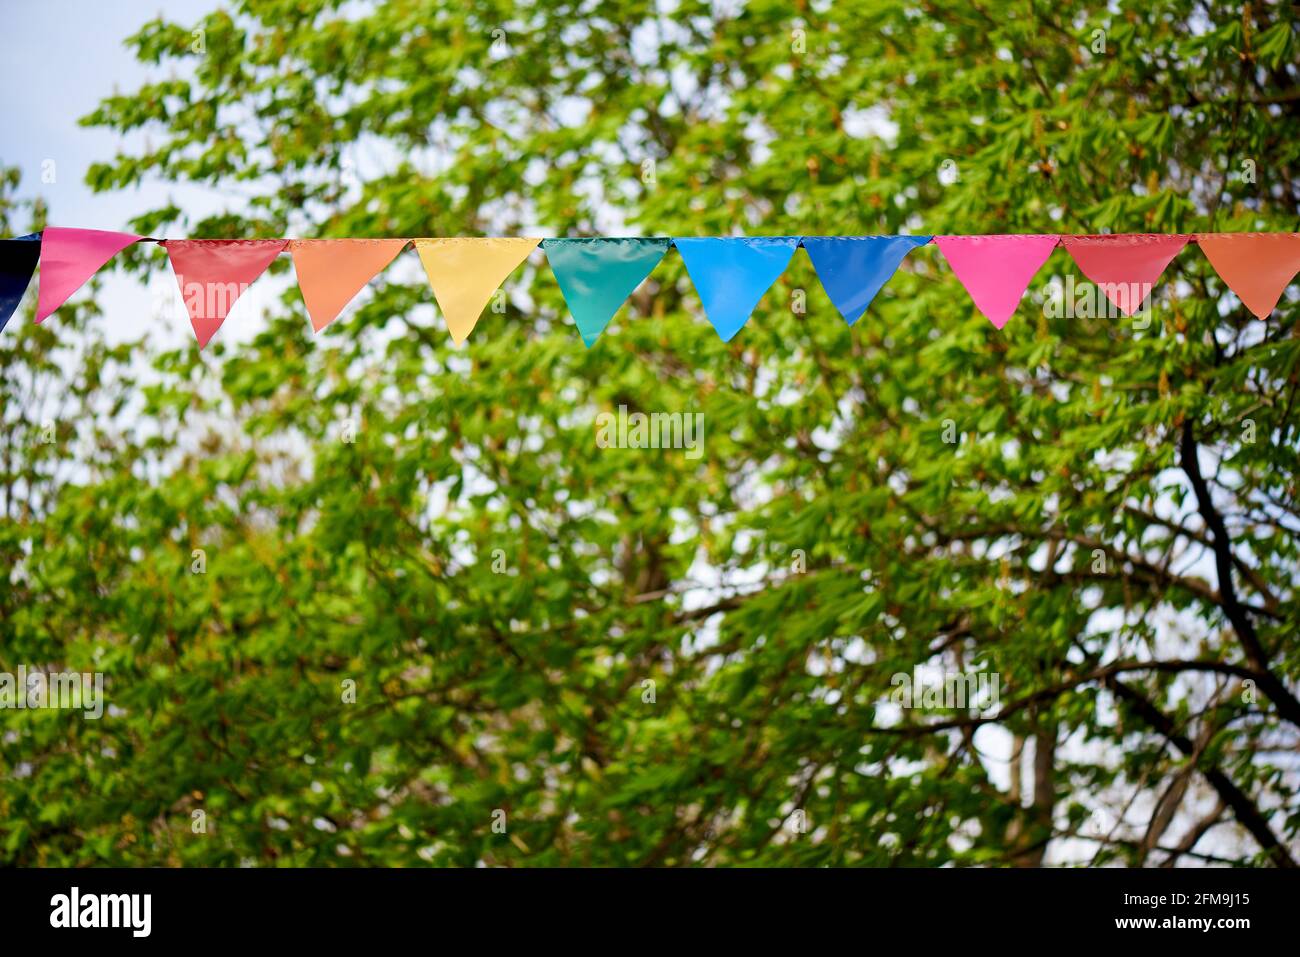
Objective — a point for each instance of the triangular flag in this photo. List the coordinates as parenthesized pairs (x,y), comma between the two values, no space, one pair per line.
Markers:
(854,268)
(1124,266)
(464,273)
(17,263)
(597,275)
(1256,266)
(332,271)
(996,270)
(732,274)
(213,274)
(71,256)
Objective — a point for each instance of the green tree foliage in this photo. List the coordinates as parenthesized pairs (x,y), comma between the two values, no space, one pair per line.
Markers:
(630,656)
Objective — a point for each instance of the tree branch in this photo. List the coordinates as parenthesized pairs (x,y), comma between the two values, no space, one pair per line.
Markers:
(1242,806)
(1237,613)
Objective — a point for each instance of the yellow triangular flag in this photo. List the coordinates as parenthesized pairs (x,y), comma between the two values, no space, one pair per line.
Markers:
(464,273)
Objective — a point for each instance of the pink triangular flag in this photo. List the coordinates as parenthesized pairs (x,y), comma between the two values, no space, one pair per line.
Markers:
(996,270)
(1125,266)
(69,257)
(213,274)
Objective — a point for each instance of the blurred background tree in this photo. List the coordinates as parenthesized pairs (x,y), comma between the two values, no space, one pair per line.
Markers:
(469,614)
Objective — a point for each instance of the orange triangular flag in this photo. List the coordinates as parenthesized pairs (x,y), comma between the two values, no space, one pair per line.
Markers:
(1256,266)
(464,273)
(332,271)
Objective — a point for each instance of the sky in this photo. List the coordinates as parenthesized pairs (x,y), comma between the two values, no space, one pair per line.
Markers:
(42,101)
(42,97)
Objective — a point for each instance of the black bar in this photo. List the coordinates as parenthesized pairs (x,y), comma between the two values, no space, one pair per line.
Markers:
(614,907)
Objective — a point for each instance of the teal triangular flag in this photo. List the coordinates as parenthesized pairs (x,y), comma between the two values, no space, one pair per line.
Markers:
(732,274)
(597,275)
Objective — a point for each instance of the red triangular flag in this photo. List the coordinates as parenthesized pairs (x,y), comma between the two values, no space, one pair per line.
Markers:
(1256,266)
(213,274)
(69,257)
(332,271)
(1124,266)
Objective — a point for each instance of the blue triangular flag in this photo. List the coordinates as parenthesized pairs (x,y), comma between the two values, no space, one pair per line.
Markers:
(732,274)
(597,275)
(853,268)
(17,263)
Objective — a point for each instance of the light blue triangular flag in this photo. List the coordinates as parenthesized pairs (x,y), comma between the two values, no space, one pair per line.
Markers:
(731,274)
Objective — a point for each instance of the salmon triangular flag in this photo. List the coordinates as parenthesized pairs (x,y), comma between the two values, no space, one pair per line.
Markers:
(1256,266)
(69,257)
(213,274)
(996,270)
(332,271)
(464,273)
(1124,266)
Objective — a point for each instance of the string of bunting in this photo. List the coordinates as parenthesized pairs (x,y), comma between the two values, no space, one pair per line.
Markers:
(596,275)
